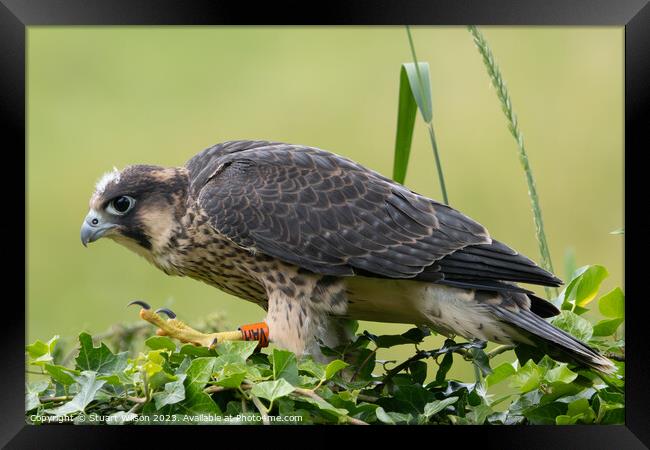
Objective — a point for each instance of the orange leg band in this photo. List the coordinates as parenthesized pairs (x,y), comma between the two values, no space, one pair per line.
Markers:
(256,332)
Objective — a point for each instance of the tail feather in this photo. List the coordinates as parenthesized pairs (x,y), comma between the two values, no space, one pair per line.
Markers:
(564,343)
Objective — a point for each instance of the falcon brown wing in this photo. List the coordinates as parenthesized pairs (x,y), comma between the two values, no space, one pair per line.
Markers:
(323,212)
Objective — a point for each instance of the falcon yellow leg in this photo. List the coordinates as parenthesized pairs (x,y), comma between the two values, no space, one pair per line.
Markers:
(177,329)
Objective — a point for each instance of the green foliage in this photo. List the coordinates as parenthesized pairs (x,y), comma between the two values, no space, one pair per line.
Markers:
(235,383)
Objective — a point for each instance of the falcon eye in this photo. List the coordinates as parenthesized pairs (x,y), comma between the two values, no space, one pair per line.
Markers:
(120,205)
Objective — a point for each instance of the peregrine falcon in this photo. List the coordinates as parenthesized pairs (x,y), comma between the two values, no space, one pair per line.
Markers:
(316,239)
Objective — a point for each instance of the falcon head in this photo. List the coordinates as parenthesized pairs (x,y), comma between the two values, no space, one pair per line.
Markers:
(136,207)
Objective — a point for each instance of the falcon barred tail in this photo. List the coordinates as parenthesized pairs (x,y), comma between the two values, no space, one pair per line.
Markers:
(316,239)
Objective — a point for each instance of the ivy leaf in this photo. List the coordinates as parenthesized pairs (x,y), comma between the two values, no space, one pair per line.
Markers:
(272,390)
(242,348)
(500,373)
(41,352)
(32,392)
(392,418)
(528,377)
(231,375)
(418,370)
(160,343)
(575,325)
(89,385)
(445,365)
(174,392)
(61,374)
(479,414)
(561,373)
(578,411)
(285,366)
(197,402)
(334,367)
(584,286)
(546,414)
(612,304)
(607,327)
(412,336)
(312,367)
(98,359)
(610,407)
(197,352)
(436,406)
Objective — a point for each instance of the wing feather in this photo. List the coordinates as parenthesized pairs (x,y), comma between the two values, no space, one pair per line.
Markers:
(324,212)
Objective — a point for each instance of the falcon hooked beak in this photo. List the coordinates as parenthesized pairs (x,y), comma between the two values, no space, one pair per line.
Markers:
(95,226)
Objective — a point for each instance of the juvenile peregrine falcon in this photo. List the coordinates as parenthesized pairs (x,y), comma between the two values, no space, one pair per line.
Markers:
(315,239)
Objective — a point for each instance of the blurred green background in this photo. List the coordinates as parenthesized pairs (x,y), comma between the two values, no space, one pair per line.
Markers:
(100,97)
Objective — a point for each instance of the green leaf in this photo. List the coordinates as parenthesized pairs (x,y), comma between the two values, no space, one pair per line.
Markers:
(584,286)
(41,352)
(612,304)
(89,385)
(312,367)
(419,81)
(32,392)
(406,111)
(231,375)
(445,365)
(546,414)
(412,398)
(285,366)
(500,373)
(242,348)
(334,367)
(412,336)
(174,392)
(196,401)
(393,418)
(383,416)
(610,407)
(272,390)
(414,89)
(607,327)
(418,370)
(479,414)
(199,373)
(199,352)
(561,373)
(160,343)
(435,407)
(574,325)
(527,377)
(61,374)
(98,359)
(481,361)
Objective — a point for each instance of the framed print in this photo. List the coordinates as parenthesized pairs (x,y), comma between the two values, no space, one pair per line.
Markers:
(370,216)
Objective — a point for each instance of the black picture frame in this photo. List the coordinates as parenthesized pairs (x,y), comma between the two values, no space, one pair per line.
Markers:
(634,15)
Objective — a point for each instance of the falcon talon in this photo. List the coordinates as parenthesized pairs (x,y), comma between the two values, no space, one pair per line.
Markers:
(144,305)
(168,312)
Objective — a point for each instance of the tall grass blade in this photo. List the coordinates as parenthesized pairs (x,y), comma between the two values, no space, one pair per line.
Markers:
(411,97)
(420,86)
(513,126)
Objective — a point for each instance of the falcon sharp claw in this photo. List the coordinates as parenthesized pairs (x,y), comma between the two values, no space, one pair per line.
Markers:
(144,305)
(168,312)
